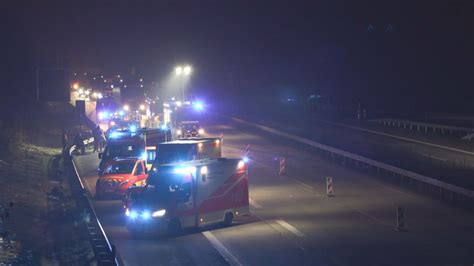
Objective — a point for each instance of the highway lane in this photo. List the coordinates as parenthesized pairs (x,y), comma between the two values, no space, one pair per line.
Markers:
(294,223)
(447,165)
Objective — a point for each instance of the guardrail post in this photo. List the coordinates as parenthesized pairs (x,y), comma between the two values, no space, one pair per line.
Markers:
(282,166)
(329,187)
(400,220)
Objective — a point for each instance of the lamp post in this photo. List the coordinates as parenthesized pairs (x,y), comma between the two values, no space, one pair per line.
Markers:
(183,72)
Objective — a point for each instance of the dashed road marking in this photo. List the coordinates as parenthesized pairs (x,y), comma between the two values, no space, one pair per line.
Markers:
(290,228)
(254,204)
(225,253)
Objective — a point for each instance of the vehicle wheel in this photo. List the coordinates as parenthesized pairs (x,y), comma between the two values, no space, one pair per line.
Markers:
(228,218)
(174,226)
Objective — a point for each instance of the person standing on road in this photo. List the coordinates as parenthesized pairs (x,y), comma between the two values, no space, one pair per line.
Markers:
(64,139)
(97,139)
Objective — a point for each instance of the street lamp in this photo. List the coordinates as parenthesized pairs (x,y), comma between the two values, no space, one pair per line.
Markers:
(183,71)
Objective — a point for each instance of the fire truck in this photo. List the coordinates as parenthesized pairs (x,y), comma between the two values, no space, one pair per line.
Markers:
(189,194)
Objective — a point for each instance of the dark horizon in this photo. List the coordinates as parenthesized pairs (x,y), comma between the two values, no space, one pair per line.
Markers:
(386,56)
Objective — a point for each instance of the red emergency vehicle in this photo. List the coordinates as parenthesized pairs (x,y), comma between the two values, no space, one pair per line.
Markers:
(190,194)
(119,176)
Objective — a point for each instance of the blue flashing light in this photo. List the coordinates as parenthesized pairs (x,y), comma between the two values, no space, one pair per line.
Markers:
(144,156)
(164,127)
(146,215)
(246,159)
(114,134)
(199,106)
(103,115)
(133,214)
(121,113)
(133,128)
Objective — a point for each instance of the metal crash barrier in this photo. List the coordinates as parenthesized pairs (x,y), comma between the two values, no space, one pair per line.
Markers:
(105,253)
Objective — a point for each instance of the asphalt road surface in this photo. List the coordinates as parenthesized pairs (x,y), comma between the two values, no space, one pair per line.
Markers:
(293,222)
(447,165)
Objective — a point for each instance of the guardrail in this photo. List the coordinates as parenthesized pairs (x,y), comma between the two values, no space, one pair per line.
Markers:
(105,253)
(453,192)
(426,127)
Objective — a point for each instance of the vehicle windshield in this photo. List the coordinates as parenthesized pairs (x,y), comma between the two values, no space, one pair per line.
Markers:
(120,167)
(113,151)
(190,127)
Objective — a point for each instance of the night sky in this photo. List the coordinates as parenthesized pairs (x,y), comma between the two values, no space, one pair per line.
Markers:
(414,54)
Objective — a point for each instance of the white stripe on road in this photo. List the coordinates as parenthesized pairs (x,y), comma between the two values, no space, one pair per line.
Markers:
(254,204)
(290,228)
(225,253)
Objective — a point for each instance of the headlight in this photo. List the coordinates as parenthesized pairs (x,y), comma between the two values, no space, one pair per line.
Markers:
(131,214)
(179,132)
(201,131)
(159,213)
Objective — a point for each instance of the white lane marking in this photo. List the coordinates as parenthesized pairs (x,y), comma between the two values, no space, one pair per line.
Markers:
(290,228)
(397,137)
(254,204)
(225,253)
(303,184)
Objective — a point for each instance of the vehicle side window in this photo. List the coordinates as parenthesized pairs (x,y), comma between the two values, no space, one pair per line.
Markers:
(139,170)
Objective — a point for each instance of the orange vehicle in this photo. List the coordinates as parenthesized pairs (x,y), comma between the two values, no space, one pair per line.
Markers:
(119,176)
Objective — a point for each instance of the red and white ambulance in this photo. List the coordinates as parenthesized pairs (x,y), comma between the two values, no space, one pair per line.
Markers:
(189,194)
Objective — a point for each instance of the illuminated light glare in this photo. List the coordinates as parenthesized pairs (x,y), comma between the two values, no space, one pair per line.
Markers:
(126,108)
(124,86)
(246,159)
(141,85)
(203,170)
(112,86)
(99,95)
(218,141)
(121,113)
(121,80)
(200,145)
(179,103)
(146,215)
(178,70)
(94,78)
(85,74)
(133,128)
(187,70)
(133,214)
(105,81)
(127,212)
(240,164)
(75,86)
(198,106)
(113,123)
(88,92)
(118,76)
(114,135)
(141,80)
(184,170)
(75,74)
(103,115)
(101,77)
(179,132)
(144,156)
(236,213)
(81,91)
(142,107)
(164,127)
(95,94)
(159,213)
(201,131)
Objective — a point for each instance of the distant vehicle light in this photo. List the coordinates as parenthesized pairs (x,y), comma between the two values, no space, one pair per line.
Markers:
(159,213)
(179,132)
(126,107)
(245,159)
(94,94)
(121,113)
(142,107)
(75,86)
(81,91)
(201,131)
(133,128)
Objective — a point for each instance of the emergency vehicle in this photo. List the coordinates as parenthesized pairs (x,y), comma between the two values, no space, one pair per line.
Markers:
(119,176)
(189,194)
(189,129)
(187,150)
(133,142)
